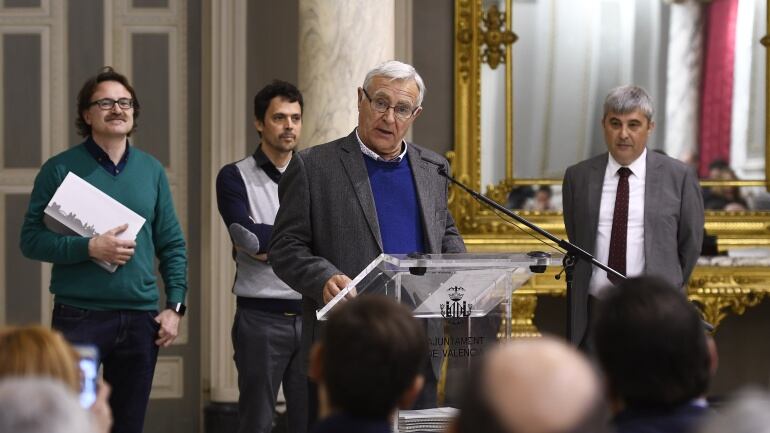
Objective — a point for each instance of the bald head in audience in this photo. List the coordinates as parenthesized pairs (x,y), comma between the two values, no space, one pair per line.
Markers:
(537,385)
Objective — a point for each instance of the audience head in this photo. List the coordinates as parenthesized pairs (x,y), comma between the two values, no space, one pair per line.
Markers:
(40,405)
(652,345)
(86,100)
(388,103)
(539,385)
(748,413)
(716,167)
(543,197)
(38,351)
(627,122)
(369,361)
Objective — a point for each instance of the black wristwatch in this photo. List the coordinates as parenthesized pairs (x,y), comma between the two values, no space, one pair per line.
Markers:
(177,307)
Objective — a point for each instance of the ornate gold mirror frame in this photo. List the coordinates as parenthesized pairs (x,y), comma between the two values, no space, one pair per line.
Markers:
(485,36)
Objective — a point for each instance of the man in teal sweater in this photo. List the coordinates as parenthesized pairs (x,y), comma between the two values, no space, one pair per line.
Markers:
(117,312)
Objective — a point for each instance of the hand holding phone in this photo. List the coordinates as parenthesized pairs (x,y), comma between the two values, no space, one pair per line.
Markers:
(89,374)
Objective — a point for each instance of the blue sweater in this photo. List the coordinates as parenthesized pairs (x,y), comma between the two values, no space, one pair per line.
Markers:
(398,211)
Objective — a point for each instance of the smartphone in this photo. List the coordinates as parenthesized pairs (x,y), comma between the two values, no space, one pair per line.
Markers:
(88,363)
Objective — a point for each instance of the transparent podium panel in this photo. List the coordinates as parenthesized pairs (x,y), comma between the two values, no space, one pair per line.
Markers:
(464,301)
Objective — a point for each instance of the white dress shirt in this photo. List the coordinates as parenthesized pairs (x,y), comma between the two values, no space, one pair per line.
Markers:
(635,234)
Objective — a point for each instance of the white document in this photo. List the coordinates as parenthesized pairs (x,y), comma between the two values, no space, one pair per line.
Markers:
(87,211)
(425,420)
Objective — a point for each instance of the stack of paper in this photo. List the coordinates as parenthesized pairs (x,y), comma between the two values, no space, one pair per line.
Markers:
(80,208)
(425,420)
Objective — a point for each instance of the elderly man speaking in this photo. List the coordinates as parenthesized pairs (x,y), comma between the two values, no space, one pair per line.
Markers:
(345,202)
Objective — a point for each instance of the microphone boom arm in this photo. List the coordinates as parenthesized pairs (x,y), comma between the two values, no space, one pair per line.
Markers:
(572,250)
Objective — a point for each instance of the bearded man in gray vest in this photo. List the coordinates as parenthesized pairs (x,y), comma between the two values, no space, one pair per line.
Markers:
(267,328)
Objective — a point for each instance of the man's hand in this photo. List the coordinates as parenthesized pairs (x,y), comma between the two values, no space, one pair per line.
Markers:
(262,257)
(169,327)
(107,247)
(334,285)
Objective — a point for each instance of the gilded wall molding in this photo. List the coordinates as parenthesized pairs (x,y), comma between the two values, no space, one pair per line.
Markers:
(722,290)
(717,291)
(495,36)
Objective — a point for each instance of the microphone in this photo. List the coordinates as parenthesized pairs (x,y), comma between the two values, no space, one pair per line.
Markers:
(417,270)
(572,251)
(440,168)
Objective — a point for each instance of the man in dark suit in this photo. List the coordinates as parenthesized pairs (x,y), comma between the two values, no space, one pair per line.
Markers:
(639,212)
(345,202)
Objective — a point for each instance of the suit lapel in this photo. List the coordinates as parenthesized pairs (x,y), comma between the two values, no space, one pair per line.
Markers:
(595,184)
(353,162)
(652,182)
(425,176)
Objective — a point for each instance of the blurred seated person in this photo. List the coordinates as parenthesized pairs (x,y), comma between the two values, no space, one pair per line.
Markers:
(41,405)
(657,359)
(541,201)
(39,352)
(726,198)
(367,364)
(537,385)
(519,196)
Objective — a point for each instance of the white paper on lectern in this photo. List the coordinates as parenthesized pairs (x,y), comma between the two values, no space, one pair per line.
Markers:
(87,211)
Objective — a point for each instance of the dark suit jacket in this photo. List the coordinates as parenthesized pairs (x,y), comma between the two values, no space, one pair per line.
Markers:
(683,419)
(673,223)
(327,222)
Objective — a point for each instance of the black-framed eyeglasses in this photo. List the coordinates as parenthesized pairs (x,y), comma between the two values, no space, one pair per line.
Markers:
(108,103)
(381,105)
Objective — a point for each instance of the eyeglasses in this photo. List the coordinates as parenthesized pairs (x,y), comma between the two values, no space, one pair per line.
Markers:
(381,105)
(107,103)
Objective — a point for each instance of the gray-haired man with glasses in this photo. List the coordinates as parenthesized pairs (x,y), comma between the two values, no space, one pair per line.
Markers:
(345,202)
(115,311)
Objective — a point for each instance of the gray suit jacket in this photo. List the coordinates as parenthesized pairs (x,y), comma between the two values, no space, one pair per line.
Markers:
(327,222)
(673,223)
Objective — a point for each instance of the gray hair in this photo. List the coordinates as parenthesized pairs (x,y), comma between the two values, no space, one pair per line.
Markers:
(627,99)
(40,405)
(748,413)
(396,71)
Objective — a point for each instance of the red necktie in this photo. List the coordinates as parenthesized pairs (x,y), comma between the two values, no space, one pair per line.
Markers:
(617,258)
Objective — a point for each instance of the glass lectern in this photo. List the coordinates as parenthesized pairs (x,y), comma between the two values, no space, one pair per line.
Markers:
(464,300)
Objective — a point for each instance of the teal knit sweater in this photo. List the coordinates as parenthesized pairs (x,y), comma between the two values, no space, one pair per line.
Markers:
(75,279)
